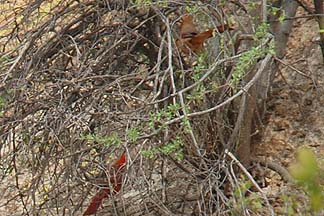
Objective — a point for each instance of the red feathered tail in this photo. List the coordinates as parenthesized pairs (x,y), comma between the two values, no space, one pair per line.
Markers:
(116,180)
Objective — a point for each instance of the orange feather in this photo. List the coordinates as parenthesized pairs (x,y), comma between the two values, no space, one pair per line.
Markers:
(191,40)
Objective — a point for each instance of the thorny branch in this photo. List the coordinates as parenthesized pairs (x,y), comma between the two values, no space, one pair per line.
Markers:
(84,81)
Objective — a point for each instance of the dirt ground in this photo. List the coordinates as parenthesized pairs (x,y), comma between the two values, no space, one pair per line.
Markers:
(296,104)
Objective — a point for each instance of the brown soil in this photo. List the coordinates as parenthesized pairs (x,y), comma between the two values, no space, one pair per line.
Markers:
(296,104)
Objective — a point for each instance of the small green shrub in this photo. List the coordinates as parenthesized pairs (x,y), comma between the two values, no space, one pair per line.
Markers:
(307,174)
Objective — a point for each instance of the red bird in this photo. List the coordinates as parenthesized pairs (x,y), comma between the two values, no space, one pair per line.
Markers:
(115,182)
(191,40)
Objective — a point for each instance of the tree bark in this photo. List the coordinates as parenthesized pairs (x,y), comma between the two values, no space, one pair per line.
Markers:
(282,30)
(320,19)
